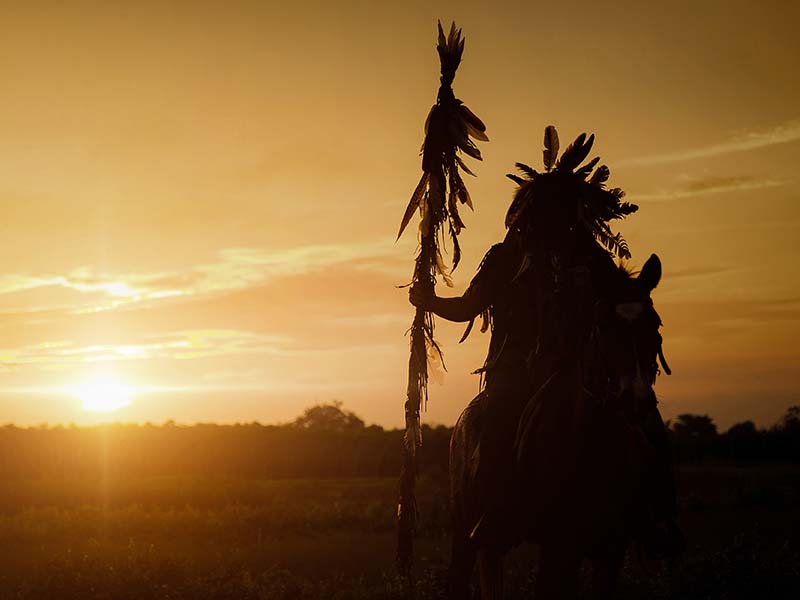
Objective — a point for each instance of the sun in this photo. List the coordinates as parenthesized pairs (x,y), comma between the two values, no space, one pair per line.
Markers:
(103,394)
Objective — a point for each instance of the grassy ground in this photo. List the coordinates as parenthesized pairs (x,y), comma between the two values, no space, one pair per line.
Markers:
(204,538)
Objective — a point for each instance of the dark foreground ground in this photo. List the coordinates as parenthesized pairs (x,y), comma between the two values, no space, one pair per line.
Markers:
(212,538)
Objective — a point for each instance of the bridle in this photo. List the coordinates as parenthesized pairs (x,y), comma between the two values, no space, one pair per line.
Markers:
(607,396)
(611,392)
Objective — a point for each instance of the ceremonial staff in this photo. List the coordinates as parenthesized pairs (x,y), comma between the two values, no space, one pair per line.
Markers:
(448,130)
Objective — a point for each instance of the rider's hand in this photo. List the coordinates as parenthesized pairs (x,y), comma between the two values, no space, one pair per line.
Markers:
(419,298)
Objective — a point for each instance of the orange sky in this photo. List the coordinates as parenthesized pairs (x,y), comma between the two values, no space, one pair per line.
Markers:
(200,199)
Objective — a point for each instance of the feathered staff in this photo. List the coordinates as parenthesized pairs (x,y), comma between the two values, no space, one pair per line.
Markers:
(448,130)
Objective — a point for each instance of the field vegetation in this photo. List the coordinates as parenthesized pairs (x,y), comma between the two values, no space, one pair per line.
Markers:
(306,510)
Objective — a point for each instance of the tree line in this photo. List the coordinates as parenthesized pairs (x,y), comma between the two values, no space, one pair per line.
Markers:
(695,439)
(325,441)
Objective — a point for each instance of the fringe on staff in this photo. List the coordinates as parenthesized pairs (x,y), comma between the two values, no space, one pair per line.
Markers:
(449,131)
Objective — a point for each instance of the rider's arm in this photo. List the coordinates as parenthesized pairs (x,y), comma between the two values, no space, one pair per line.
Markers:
(462,308)
(494,272)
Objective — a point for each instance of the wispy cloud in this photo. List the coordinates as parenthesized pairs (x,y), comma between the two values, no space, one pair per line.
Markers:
(243,267)
(713,185)
(697,272)
(95,291)
(234,269)
(180,345)
(751,140)
(373,320)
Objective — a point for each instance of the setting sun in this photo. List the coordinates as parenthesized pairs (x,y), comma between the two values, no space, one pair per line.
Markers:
(103,395)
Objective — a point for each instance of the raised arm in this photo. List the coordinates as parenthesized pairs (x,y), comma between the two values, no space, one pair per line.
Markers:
(458,308)
(498,267)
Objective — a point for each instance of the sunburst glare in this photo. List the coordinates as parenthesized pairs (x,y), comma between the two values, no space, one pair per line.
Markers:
(103,394)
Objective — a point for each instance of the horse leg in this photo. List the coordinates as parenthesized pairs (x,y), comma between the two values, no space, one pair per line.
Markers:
(491,568)
(557,578)
(462,563)
(605,572)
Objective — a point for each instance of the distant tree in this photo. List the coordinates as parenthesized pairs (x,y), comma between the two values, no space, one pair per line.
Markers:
(698,427)
(742,443)
(786,436)
(744,430)
(693,436)
(329,417)
(791,420)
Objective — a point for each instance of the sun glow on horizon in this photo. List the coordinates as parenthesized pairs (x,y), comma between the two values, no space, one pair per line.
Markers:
(103,394)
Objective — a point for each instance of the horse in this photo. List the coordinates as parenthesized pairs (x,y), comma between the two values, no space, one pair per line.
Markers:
(580,456)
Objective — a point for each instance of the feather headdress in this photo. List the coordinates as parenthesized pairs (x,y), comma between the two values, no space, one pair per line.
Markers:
(565,180)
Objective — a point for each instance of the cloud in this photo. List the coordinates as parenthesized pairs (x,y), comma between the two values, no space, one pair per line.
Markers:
(373,320)
(244,267)
(751,140)
(85,290)
(707,322)
(713,185)
(697,272)
(181,345)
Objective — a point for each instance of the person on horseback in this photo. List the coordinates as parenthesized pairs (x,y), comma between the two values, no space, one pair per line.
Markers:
(538,290)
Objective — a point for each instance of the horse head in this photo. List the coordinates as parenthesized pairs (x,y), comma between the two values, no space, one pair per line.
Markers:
(626,345)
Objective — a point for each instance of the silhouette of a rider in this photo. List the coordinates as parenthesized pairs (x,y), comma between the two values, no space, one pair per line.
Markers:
(539,287)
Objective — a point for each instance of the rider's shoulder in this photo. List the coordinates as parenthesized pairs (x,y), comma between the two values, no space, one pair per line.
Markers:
(510,248)
(498,256)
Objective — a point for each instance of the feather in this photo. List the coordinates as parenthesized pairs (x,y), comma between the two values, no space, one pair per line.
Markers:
(465,335)
(459,135)
(517,207)
(486,317)
(516,179)
(452,208)
(575,153)
(442,269)
(615,243)
(450,50)
(531,173)
(476,133)
(568,157)
(451,37)
(463,196)
(424,212)
(456,247)
(587,168)
(474,123)
(550,151)
(463,166)
(457,184)
(663,360)
(600,176)
(433,349)
(414,203)
(621,246)
(470,149)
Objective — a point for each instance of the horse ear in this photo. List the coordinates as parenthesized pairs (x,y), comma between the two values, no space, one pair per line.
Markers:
(651,273)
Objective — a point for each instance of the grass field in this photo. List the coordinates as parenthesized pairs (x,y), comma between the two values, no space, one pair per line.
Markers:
(202,538)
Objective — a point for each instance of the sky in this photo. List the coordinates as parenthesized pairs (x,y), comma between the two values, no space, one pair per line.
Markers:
(200,200)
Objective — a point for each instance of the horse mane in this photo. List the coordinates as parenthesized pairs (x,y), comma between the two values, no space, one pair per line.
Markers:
(627,268)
